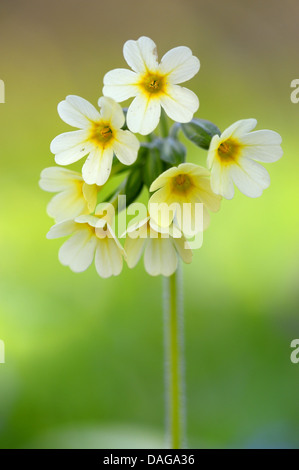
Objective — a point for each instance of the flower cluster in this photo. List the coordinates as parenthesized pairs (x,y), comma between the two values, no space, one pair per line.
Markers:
(183,194)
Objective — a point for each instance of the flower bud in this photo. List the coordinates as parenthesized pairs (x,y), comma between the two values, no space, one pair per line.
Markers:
(200,132)
(172,151)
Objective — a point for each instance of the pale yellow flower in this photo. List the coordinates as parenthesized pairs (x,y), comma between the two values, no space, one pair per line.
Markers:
(232,156)
(182,187)
(100,137)
(75,197)
(154,84)
(92,238)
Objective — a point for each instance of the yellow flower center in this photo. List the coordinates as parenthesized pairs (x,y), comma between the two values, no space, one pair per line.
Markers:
(229,151)
(181,183)
(153,83)
(102,133)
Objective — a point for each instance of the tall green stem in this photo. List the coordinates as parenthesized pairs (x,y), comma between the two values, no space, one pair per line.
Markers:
(174,360)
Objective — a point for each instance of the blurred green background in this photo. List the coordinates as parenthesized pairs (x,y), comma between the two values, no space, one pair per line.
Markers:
(84,356)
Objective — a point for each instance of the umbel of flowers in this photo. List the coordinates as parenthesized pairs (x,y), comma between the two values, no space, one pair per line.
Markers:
(154,159)
(141,146)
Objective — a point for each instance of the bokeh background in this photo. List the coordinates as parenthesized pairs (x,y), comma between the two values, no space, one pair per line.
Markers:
(84,356)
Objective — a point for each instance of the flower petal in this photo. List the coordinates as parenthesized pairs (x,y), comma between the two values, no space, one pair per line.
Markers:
(134,248)
(90,193)
(62,229)
(125,147)
(120,84)
(194,170)
(108,259)
(263,145)
(73,154)
(68,140)
(67,205)
(91,220)
(179,64)
(204,194)
(77,112)
(250,177)
(97,168)
(239,128)
(91,167)
(55,179)
(161,207)
(160,257)
(213,150)
(221,182)
(143,115)
(163,178)
(180,103)
(141,55)
(105,166)
(84,256)
(112,112)
(78,251)
(263,153)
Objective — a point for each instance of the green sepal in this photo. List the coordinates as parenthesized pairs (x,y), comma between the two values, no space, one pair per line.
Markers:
(134,185)
(200,132)
(172,151)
